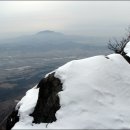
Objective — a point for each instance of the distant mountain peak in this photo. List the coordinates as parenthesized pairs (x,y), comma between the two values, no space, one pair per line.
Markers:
(48,32)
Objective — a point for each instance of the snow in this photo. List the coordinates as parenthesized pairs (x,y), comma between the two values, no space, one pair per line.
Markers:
(27,104)
(127,49)
(96,95)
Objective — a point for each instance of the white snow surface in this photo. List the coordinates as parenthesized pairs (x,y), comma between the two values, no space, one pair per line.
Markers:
(96,95)
(127,49)
(27,104)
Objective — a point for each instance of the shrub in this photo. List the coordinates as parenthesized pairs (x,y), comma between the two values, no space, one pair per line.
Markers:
(118,46)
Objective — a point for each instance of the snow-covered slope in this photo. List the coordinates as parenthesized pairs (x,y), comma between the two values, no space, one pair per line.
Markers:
(127,49)
(96,95)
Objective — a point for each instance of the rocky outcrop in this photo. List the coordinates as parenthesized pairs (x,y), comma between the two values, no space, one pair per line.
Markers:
(12,119)
(47,105)
(126,57)
(48,100)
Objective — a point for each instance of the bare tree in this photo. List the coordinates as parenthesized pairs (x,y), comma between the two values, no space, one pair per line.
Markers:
(118,46)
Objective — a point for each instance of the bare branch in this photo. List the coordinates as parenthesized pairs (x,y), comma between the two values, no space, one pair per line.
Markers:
(118,46)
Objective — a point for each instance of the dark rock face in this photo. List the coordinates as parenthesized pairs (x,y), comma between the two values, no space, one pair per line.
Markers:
(12,119)
(47,104)
(48,100)
(126,57)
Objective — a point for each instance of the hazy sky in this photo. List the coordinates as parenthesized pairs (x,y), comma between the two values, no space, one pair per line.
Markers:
(90,18)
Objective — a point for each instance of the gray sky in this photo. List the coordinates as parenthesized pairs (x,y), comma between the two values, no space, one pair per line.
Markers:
(89,18)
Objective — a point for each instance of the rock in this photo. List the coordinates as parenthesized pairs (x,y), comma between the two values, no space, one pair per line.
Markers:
(48,100)
(12,119)
(126,57)
(47,105)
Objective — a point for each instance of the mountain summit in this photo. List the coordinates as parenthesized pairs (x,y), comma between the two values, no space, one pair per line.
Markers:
(48,32)
(91,93)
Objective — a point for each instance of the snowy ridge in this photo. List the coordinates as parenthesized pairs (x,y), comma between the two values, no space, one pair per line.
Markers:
(96,95)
